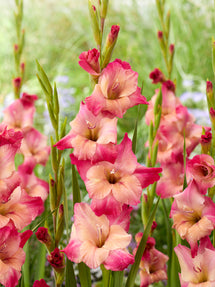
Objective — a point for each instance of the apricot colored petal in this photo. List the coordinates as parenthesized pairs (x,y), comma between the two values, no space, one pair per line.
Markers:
(8,276)
(97,184)
(128,190)
(96,101)
(118,260)
(72,250)
(118,238)
(146,175)
(87,224)
(126,160)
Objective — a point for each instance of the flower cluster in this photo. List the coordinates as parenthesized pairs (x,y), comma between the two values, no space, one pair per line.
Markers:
(22,194)
(189,183)
(113,177)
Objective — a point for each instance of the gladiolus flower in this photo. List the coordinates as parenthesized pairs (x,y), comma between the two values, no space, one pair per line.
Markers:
(20,113)
(123,178)
(12,256)
(153,263)
(193,215)
(116,90)
(88,133)
(89,61)
(20,208)
(200,270)
(94,241)
(34,147)
(202,169)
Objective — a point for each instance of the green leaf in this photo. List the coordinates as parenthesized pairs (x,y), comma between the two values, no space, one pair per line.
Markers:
(63,128)
(84,275)
(117,278)
(70,275)
(75,187)
(41,260)
(134,268)
(25,267)
(44,79)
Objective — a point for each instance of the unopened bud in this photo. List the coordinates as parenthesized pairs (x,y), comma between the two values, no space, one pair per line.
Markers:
(95,23)
(171,48)
(109,45)
(16,48)
(89,61)
(17,83)
(160,35)
(44,237)
(206,142)
(157,76)
(56,260)
(169,85)
(40,283)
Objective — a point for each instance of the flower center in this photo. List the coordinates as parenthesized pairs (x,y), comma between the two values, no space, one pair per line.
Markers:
(114,91)
(100,240)
(113,176)
(92,134)
(204,170)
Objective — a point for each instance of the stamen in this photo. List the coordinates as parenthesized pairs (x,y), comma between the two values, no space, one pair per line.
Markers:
(99,235)
(90,125)
(197,269)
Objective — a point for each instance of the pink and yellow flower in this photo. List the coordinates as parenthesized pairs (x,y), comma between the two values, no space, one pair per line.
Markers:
(95,241)
(88,133)
(123,177)
(193,215)
(202,169)
(21,209)
(153,263)
(200,270)
(12,256)
(20,113)
(116,90)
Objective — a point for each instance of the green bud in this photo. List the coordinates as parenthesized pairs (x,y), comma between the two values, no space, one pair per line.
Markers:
(95,23)
(109,45)
(154,154)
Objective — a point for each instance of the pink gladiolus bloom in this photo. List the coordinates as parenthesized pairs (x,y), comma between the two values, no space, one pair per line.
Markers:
(40,283)
(171,134)
(117,213)
(10,142)
(202,169)
(169,102)
(33,185)
(95,241)
(124,178)
(89,61)
(200,270)
(193,215)
(34,147)
(87,133)
(20,113)
(153,263)
(116,90)
(172,179)
(12,256)
(20,208)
